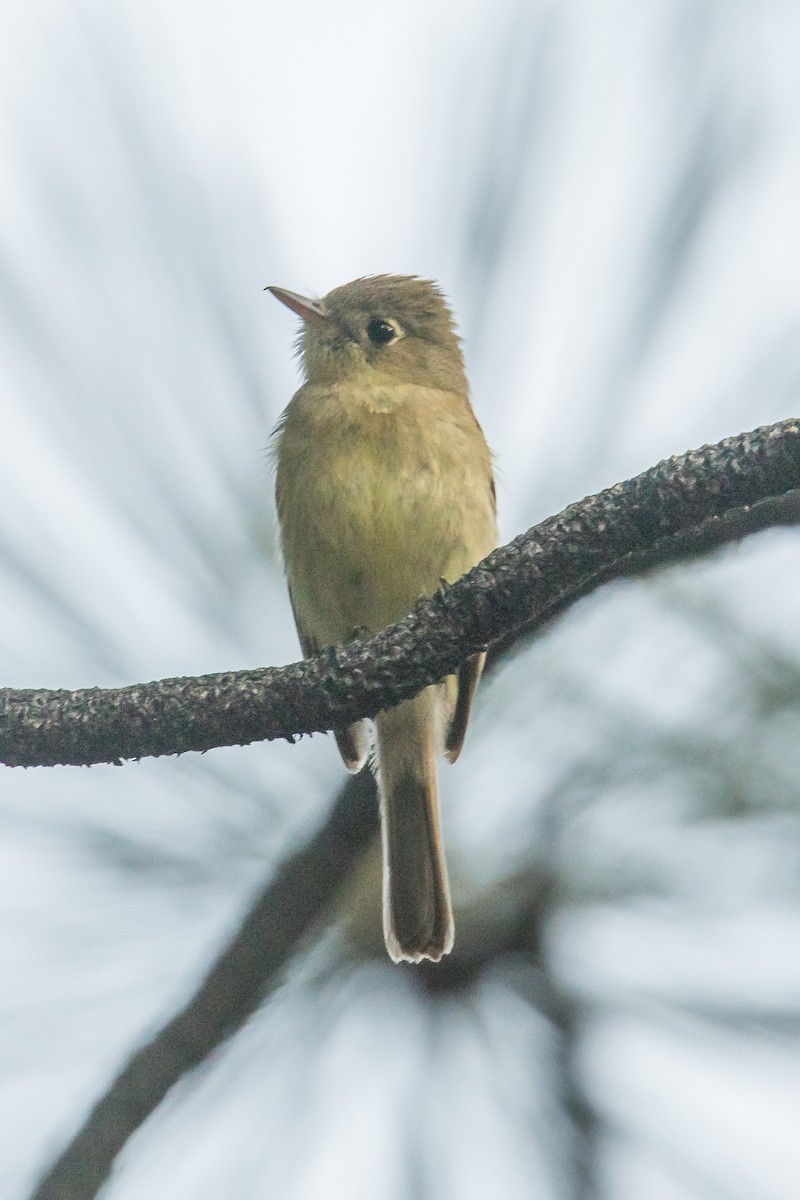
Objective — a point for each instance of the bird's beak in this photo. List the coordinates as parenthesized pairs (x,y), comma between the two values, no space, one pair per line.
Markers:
(304,306)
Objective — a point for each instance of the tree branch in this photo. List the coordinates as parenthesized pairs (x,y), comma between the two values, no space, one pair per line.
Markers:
(676,510)
(680,509)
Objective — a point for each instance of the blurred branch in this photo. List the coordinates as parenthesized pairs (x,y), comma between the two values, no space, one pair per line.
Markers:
(677,510)
(250,968)
(246,971)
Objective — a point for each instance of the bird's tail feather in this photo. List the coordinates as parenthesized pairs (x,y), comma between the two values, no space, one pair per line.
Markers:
(417,914)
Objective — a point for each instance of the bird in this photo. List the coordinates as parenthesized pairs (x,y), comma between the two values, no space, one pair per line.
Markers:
(384,490)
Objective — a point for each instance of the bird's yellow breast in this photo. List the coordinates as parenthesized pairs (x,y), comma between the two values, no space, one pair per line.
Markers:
(380,496)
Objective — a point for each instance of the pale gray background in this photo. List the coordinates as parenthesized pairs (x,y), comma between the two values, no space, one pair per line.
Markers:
(610,194)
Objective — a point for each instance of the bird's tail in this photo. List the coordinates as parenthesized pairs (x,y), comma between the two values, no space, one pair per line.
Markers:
(417,914)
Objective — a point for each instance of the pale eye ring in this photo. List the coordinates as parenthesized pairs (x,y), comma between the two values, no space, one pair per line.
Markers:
(381,332)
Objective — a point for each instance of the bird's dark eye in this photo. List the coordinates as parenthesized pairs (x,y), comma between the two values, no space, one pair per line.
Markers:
(381,332)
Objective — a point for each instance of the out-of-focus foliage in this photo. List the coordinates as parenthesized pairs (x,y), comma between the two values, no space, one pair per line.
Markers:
(609,194)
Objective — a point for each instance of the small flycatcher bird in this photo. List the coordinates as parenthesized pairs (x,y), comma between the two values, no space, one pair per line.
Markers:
(384,488)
